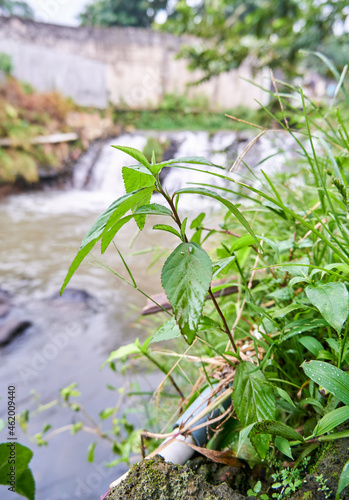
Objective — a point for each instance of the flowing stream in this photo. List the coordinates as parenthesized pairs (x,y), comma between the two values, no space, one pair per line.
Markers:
(70,337)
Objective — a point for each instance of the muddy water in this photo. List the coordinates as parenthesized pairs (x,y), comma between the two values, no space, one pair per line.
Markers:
(68,340)
(70,337)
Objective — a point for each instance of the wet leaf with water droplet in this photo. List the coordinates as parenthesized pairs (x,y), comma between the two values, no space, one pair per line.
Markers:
(329,377)
(186,277)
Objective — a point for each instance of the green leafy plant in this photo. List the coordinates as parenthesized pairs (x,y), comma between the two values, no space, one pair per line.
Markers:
(280,337)
(287,481)
(323,486)
(14,469)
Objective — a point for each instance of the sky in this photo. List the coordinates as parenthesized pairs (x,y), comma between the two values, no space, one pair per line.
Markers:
(58,11)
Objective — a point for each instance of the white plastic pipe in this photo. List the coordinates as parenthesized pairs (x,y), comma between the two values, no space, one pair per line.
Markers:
(176,451)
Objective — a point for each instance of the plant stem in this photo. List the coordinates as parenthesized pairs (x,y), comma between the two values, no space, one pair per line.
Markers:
(158,365)
(226,327)
(174,210)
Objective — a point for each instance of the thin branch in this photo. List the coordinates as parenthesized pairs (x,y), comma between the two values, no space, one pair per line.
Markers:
(226,327)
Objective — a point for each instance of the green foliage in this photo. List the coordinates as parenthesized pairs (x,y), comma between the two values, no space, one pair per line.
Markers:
(333,379)
(15,8)
(6,65)
(138,13)
(188,115)
(279,342)
(323,486)
(14,468)
(24,115)
(288,481)
(332,300)
(186,277)
(272,31)
(254,401)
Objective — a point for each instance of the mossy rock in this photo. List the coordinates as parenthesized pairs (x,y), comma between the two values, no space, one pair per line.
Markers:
(156,479)
(159,480)
(328,466)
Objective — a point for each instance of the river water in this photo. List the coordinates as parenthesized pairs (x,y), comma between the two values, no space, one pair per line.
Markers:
(70,337)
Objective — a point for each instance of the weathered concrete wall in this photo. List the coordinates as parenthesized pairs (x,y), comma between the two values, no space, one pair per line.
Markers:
(129,66)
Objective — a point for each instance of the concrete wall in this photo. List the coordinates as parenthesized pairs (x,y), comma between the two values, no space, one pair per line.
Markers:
(129,66)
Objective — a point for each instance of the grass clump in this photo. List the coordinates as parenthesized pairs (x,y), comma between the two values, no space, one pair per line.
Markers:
(178,112)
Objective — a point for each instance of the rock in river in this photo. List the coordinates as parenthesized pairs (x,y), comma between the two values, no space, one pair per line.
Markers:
(10,329)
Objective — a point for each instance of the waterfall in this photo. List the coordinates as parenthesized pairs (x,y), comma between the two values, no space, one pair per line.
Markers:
(100,169)
(106,173)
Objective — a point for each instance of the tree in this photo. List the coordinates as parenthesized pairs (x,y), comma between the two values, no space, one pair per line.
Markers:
(272,32)
(14,8)
(140,13)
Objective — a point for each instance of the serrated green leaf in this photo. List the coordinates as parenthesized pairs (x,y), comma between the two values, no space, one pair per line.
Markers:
(230,206)
(329,377)
(283,445)
(254,401)
(138,177)
(169,229)
(136,154)
(332,301)
(312,344)
(91,452)
(343,480)
(186,277)
(332,420)
(277,429)
(25,484)
(167,331)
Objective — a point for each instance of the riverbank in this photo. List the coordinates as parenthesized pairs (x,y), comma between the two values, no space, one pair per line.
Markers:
(42,135)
